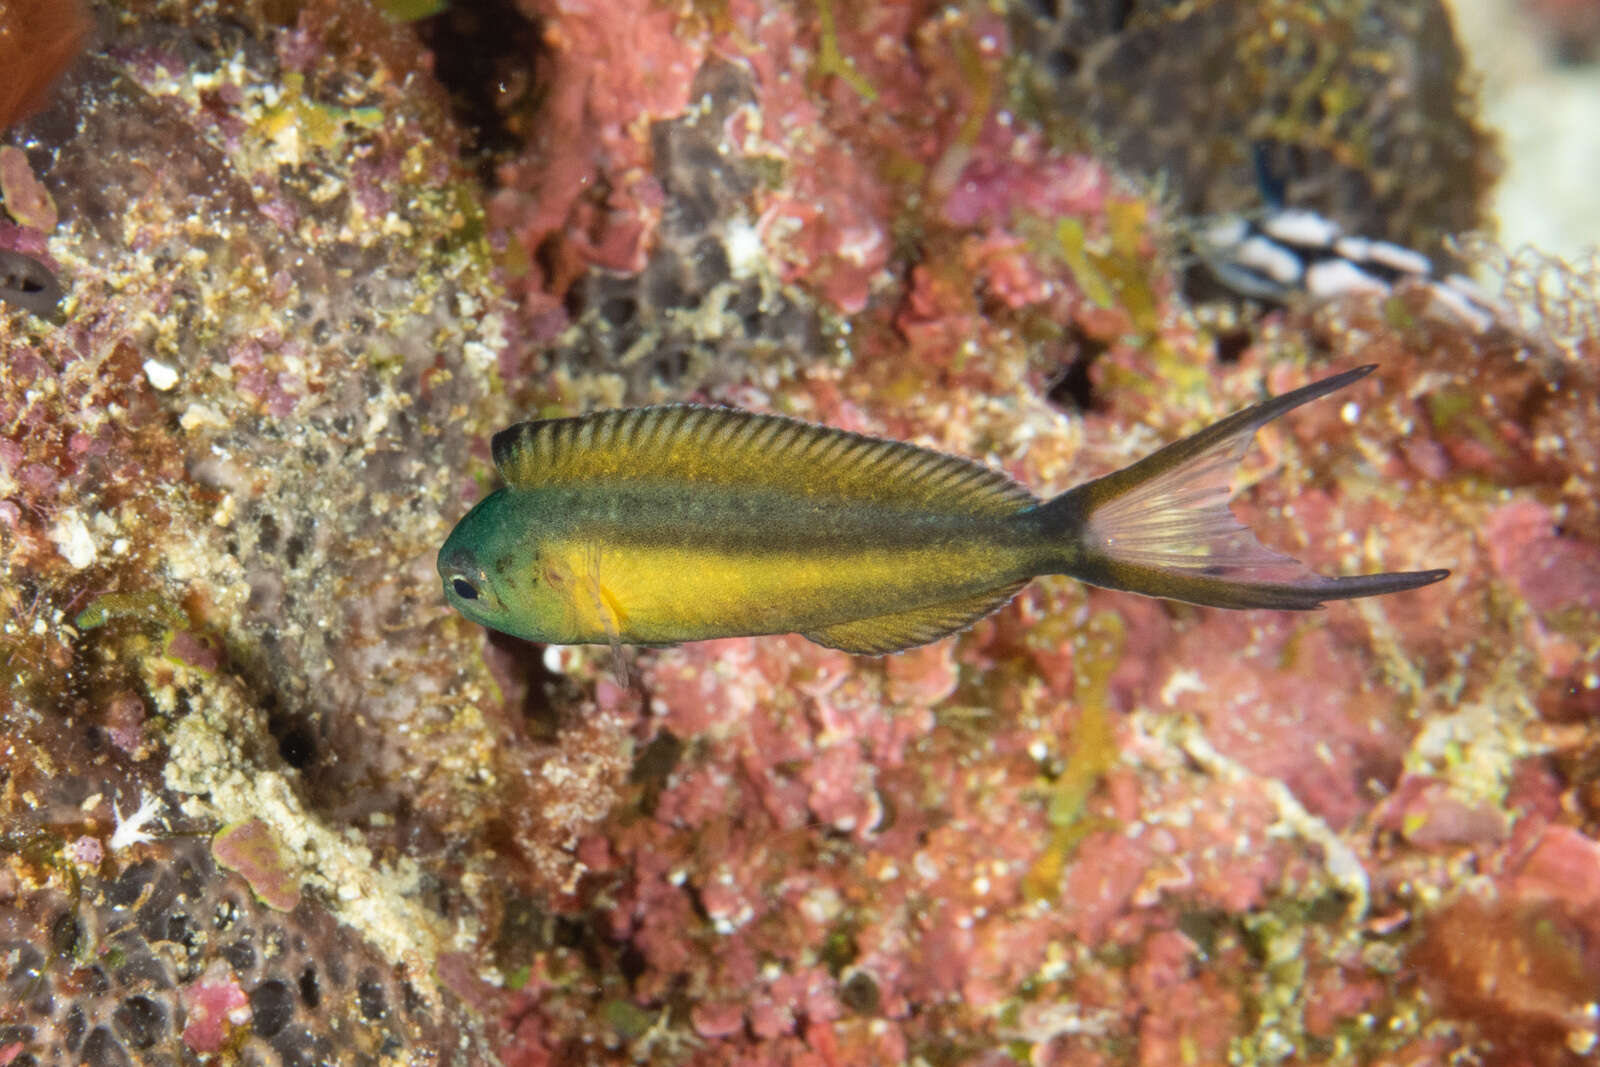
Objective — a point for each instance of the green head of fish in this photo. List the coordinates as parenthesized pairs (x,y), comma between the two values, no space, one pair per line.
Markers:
(492,572)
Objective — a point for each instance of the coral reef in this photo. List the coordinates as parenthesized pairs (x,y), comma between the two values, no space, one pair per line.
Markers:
(225,472)
(266,799)
(167,959)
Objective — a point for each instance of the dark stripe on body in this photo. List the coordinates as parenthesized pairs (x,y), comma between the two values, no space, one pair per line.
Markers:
(749,521)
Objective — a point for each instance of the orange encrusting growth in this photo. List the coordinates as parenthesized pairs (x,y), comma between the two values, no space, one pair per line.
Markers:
(38,40)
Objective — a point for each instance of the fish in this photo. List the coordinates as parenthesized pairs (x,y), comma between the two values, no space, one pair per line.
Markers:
(27,283)
(1284,255)
(659,525)
(1293,253)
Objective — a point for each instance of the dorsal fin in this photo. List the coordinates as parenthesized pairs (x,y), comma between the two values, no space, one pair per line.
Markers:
(882,634)
(691,444)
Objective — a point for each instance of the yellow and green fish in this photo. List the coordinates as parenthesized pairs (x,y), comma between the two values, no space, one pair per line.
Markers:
(664,524)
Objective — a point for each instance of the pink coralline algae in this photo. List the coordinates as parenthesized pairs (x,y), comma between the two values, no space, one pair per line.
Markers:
(215,1005)
(250,849)
(1559,577)
(26,200)
(311,265)
(86,850)
(1522,958)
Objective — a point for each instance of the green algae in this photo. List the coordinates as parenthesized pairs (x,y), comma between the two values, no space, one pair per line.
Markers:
(1073,242)
(981,79)
(830,62)
(148,604)
(1113,268)
(412,10)
(630,1021)
(1456,412)
(1097,649)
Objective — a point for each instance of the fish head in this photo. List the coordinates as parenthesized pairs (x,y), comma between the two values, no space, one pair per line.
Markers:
(490,567)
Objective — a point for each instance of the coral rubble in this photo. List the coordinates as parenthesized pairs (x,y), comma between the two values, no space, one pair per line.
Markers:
(266,799)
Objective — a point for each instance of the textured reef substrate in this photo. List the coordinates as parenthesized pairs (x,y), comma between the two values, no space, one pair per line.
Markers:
(265,799)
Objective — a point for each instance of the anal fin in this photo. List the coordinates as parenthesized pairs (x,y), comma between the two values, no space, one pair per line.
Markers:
(883,634)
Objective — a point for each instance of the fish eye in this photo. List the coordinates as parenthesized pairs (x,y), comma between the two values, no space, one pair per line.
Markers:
(464,589)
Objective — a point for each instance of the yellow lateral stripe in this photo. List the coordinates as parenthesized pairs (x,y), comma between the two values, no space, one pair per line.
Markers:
(678,594)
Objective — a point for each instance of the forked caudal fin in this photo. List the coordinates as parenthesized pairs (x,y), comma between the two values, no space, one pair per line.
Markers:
(1162,526)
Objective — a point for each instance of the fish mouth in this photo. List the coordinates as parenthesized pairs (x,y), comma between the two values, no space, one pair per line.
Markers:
(454,561)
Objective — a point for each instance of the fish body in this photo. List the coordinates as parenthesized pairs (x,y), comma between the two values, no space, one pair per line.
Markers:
(680,523)
(652,564)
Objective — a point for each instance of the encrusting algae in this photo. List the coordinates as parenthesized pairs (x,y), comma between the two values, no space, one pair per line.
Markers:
(681,523)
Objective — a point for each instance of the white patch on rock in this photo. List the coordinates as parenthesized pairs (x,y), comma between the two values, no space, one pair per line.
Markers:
(73,540)
(162,377)
(744,247)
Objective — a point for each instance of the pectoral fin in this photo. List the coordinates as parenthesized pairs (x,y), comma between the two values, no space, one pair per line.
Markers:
(608,611)
(883,634)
